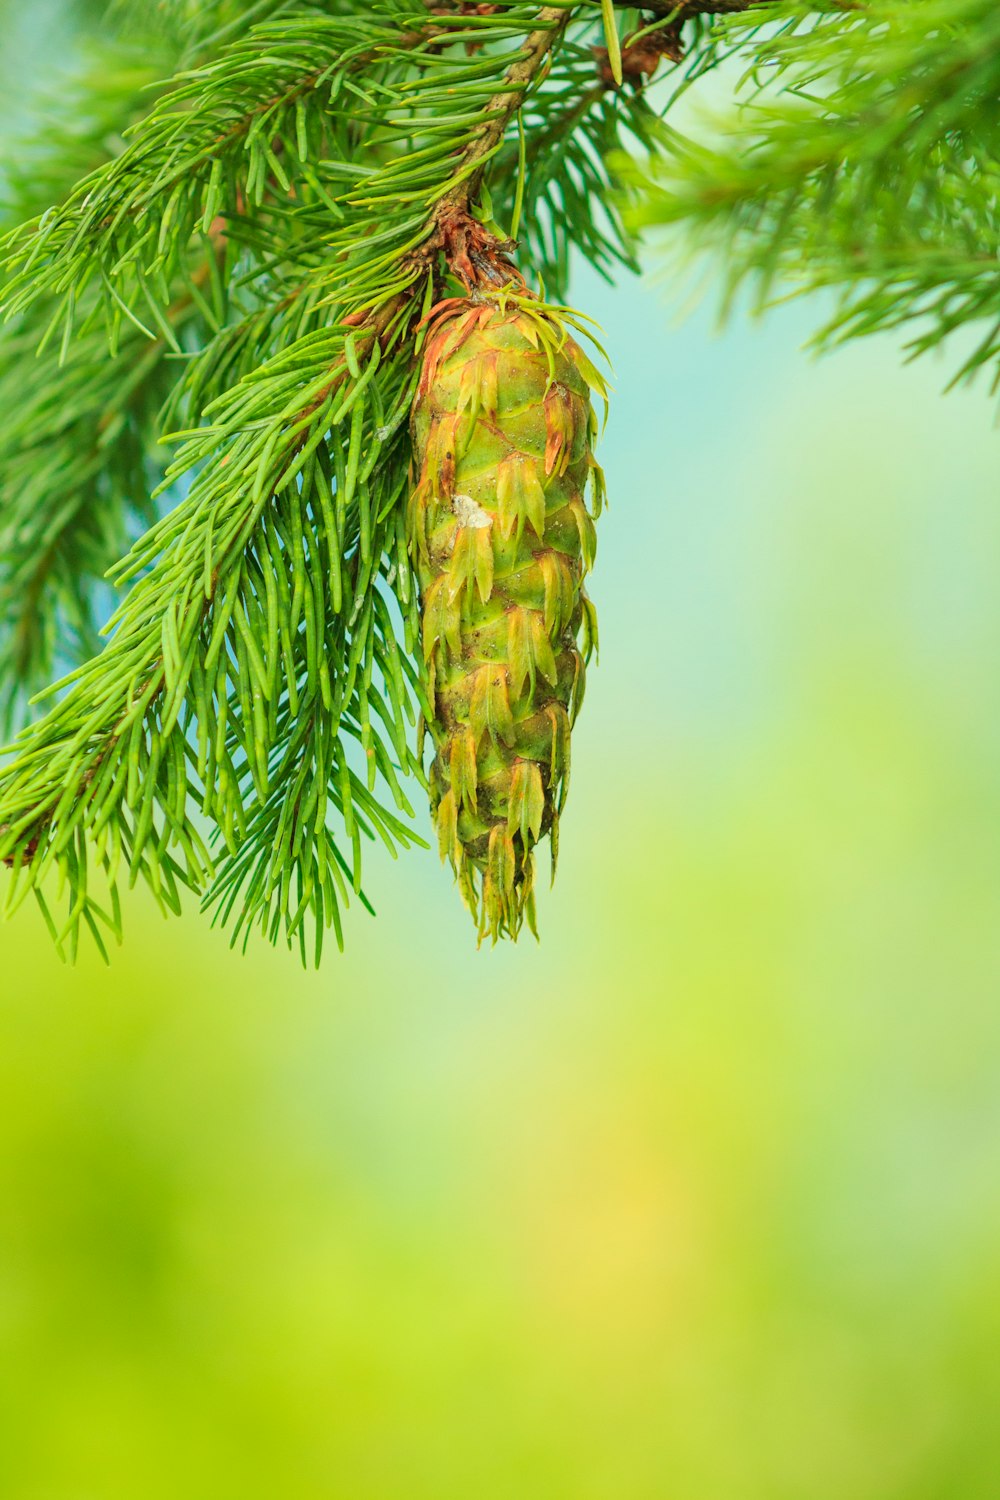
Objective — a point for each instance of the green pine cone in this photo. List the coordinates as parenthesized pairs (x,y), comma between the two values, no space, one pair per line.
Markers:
(501,538)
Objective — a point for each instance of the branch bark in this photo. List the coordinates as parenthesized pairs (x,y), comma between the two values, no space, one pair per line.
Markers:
(552,22)
(473,253)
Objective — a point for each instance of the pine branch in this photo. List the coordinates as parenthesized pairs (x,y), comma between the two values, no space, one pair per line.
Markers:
(552,21)
(271,253)
(574,123)
(72,467)
(211,145)
(256,640)
(865,160)
(77,463)
(115,744)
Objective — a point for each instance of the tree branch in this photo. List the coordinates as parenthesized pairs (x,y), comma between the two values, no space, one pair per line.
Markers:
(552,22)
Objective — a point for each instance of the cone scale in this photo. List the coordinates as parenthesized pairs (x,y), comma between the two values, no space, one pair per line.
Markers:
(501,538)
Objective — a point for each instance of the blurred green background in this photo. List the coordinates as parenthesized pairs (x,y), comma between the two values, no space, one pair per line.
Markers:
(696,1201)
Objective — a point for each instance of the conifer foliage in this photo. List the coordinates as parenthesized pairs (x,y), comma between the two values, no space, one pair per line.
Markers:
(287,359)
(862,156)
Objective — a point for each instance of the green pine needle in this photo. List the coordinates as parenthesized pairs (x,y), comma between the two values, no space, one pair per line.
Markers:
(611,40)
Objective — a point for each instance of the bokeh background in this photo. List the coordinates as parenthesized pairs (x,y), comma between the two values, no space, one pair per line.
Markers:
(698,1200)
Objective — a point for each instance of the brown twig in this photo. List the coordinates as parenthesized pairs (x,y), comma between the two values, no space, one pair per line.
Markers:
(552,22)
(476,256)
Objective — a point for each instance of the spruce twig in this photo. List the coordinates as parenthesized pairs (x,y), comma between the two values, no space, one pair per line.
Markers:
(226,653)
(865,159)
(254,262)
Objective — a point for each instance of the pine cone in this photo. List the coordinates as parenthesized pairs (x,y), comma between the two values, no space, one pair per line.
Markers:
(501,539)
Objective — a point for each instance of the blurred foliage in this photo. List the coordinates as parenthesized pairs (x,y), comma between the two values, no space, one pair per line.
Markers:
(861,154)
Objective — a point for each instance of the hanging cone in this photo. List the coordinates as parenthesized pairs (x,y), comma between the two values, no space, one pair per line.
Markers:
(501,539)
